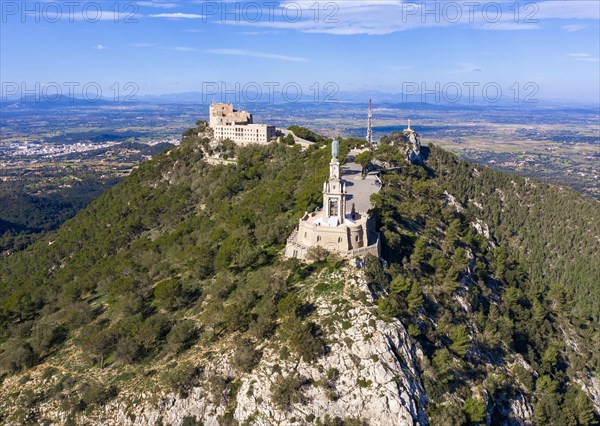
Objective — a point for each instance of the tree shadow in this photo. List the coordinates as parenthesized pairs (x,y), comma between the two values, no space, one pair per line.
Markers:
(306,309)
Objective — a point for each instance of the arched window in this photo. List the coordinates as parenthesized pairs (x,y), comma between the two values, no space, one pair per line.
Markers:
(339,239)
(319,238)
(333,207)
(305,234)
(357,238)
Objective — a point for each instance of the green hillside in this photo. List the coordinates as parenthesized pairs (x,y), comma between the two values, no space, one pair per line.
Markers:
(181,261)
(554,230)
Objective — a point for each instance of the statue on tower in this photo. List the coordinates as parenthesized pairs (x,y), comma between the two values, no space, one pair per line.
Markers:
(334,164)
(335,149)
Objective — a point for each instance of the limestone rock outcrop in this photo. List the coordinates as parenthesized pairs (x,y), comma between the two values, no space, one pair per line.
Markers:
(376,379)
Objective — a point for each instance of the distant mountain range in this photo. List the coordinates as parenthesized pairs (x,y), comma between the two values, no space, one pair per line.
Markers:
(359,97)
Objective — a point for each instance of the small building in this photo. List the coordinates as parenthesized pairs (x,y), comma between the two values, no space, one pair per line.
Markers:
(229,123)
(348,233)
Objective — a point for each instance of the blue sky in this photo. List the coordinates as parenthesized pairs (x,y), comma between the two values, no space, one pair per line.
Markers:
(172,46)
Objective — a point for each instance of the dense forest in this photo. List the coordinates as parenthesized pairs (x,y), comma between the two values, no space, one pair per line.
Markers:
(32,204)
(555,231)
(182,257)
(25,217)
(475,302)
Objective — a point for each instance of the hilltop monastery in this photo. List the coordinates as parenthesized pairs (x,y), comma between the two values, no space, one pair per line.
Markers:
(228,123)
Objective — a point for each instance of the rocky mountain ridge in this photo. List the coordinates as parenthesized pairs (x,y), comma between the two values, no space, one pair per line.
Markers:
(167,301)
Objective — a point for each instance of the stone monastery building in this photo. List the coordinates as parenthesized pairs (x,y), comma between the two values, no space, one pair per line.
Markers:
(228,123)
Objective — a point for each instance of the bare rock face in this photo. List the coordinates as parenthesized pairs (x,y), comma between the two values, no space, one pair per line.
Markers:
(377,379)
(521,410)
(369,372)
(591,386)
(412,146)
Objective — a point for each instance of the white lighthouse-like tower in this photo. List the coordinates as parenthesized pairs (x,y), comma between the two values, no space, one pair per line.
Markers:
(334,199)
(332,228)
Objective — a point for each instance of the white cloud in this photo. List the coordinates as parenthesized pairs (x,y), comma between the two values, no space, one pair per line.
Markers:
(254,54)
(177,15)
(583,57)
(566,9)
(156,3)
(184,49)
(508,26)
(574,27)
(95,15)
(466,67)
(101,47)
(381,17)
(258,33)
(142,45)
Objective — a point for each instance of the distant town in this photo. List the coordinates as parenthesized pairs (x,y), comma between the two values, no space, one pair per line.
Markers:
(561,146)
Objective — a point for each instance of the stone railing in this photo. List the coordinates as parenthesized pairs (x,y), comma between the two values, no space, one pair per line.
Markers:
(292,238)
(372,249)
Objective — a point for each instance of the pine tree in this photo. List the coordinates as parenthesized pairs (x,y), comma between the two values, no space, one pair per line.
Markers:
(419,253)
(452,235)
(474,409)
(538,313)
(415,298)
(399,285)
(461,341)
(442,363)
(387,308)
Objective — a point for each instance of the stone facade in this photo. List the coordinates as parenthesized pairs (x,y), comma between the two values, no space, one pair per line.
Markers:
(334,228)
(245,134)
(228,123)
(222,114)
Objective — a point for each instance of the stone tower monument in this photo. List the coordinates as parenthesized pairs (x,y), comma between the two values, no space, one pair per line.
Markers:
(333,228)
(334,199)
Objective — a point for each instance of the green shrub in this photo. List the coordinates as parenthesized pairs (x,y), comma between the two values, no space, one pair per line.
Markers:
(181,378)
(302,337)
(246,356)
(181,335)
(363,383)
(17,356)
(93,393)
(474,410)
(387,308)
(287,390)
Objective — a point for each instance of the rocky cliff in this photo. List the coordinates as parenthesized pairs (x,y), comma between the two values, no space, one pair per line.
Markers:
(369,373)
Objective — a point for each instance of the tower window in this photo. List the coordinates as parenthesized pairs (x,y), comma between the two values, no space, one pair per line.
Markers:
(339,239)
(333,207)
(319,238)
